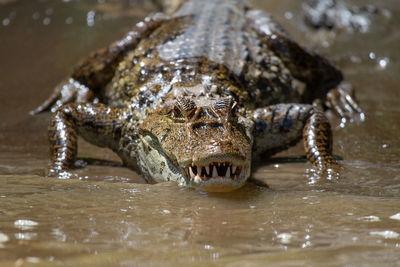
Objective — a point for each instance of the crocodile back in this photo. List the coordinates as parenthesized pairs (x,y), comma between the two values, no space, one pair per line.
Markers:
(207,48)
(216,32)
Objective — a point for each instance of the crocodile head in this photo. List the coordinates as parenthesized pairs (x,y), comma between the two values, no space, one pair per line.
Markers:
(203,143)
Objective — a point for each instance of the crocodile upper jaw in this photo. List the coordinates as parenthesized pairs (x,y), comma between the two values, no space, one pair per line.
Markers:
(216,175)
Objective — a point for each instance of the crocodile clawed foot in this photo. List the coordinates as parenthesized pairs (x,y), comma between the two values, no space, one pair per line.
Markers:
(342,101)
(329,173)
(67,91)
(60,174)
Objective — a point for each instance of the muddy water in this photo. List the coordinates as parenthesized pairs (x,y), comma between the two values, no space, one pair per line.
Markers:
(108,216)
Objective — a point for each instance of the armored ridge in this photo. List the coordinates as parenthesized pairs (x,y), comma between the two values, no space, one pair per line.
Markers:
(217,32)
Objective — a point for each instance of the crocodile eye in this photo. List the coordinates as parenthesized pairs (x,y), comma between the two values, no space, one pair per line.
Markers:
(226,106)
(185,106)
(223,104)
(176,113)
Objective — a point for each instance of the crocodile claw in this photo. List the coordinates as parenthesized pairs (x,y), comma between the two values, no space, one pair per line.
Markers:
(342,101)
(67,91)
(329,173)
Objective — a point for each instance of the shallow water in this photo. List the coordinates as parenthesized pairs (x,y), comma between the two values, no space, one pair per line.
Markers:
(110,217)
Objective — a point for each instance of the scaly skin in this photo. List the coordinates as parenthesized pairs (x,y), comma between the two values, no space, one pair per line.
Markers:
(194,97)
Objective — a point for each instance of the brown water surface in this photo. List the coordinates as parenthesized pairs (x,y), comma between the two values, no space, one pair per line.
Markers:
(110,217)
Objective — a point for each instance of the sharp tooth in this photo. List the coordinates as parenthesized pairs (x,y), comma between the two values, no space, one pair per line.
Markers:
(214,172)
(228,173)
(197,179)
(207,170)
(233,169)
(191,172)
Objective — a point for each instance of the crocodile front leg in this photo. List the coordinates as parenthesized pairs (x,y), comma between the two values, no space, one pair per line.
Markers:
(92,74)
(324,81)
(279,126)
(96,123)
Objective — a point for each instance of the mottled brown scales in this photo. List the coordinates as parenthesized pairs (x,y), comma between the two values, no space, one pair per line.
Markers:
(194,97)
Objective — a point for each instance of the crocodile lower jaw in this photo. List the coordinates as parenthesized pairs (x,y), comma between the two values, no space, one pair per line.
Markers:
(218,184)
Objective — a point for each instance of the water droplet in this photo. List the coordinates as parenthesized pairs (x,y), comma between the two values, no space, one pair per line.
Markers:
(25,224)
(386,234)
(90,18)
(6,22)
(395,217)
(69,20)
(372,55)
(3,238)
(208,247)
(36,16)
(355,59)
(370,219)
(285,238)
(362,116)
(32,259)
(383,62)
(166,211)
(49,11)
(306,244)
(343,122)
(385,146)
(25,236)
(288,15)
(46,21)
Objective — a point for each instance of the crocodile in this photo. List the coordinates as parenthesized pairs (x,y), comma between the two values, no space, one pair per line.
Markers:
(193,97)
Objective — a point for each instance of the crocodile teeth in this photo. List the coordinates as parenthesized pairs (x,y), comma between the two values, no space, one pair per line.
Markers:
(228,173)
(197,179)
(233,169)
(191,172)
(214,170)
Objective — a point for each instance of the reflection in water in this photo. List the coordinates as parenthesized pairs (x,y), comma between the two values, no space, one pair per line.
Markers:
(108,216)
